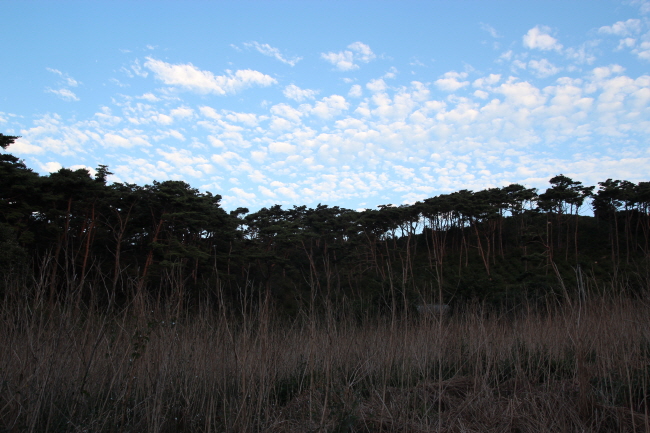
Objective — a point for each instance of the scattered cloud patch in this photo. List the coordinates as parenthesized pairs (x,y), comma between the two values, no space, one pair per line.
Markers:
(486,82)
(376,86)
(330,106)
(270,51)
(51,167)
(134,70)
(149,97)
(450,81)
(297,94)
(106,117)
(182,112)
(126,138)
(241,194)
(630,27)
(348,60)
(642,51)
(583,54)
(65,94)
(65,81)
(355,91)
(24,147)
(491,30)
(543,68)
(279,147)
(643,5)
(539,38)
(189,77)
(68,80)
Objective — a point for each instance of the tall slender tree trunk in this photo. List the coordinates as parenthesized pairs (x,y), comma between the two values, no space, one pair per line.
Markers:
(55,263)
(147,264)
(89,235)
(123,222)
(486,260)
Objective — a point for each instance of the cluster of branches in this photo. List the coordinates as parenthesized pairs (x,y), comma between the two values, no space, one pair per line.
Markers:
(75,233)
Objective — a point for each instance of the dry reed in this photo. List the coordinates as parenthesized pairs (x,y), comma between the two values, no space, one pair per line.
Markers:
(578,367)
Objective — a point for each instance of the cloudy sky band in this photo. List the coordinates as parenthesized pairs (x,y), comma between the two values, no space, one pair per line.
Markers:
(372,130)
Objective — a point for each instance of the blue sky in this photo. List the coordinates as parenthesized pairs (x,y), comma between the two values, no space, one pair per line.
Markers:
(348,103)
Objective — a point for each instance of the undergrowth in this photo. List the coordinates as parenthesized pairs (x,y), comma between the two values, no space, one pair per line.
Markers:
(574,365)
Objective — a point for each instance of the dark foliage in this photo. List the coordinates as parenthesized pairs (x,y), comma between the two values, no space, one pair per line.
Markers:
(86,239)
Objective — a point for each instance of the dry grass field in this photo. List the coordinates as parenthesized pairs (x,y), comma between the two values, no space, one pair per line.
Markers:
(574,366)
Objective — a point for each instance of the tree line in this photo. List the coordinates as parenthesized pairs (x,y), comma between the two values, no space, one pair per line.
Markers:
(75,236)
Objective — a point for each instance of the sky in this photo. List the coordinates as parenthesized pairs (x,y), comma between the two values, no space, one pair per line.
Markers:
(345,103)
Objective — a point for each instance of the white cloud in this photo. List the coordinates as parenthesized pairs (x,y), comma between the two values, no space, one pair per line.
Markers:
(248,119)
(603,72)
(583,54)
(378,85)
(486,82)
(214,141)
(149,97)
(106,117)
(225,159)
(129,138)
(518,64)
(182,157)
(137,69)
(162,119)
(538,38)
(65,94)
(176,134)
(280,124)
(258,177)
(347,60)
(190,77)
(491,30)
(450,81)
(521,94)
(506,56)
(392,73)
(241,194)
(297,94)
(51,166)
(543,68)
(258,156)
(288,192)
(141,170)
(270,51)
(279,147)
(330,106)
(22,146)
(116,140)
(209,112)
(622,28)
(481,94)
(644,5)
(67,79)
(643,50)
(355,91)
(90,170)
(626,43)
(182,112)
(266,192)
(286,111)
(364,53)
